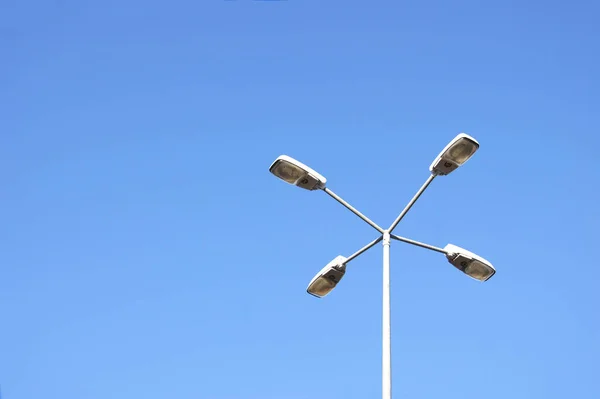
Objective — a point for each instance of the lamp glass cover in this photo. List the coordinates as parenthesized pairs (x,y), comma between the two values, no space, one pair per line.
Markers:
(462,150)
(478,270)
(321,286)
(288,172)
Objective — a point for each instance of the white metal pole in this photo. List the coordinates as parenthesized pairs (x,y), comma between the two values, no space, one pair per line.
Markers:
(352,209)
(386,390)
(412,202)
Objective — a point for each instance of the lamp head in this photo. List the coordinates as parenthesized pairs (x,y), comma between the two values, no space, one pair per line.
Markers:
(296,173)
(326,280)
(455,154)
(467,262)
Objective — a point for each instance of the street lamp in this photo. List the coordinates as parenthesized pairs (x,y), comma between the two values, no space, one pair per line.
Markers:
(467,262)
(294,172)
(327,278)
(455,154)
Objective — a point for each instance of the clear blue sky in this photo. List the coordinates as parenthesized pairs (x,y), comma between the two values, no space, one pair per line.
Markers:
(146,251)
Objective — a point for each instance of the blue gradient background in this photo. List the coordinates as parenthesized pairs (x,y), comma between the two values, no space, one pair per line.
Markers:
(147,252)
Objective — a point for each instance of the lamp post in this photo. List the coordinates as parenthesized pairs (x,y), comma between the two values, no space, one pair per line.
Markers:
(455,154)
